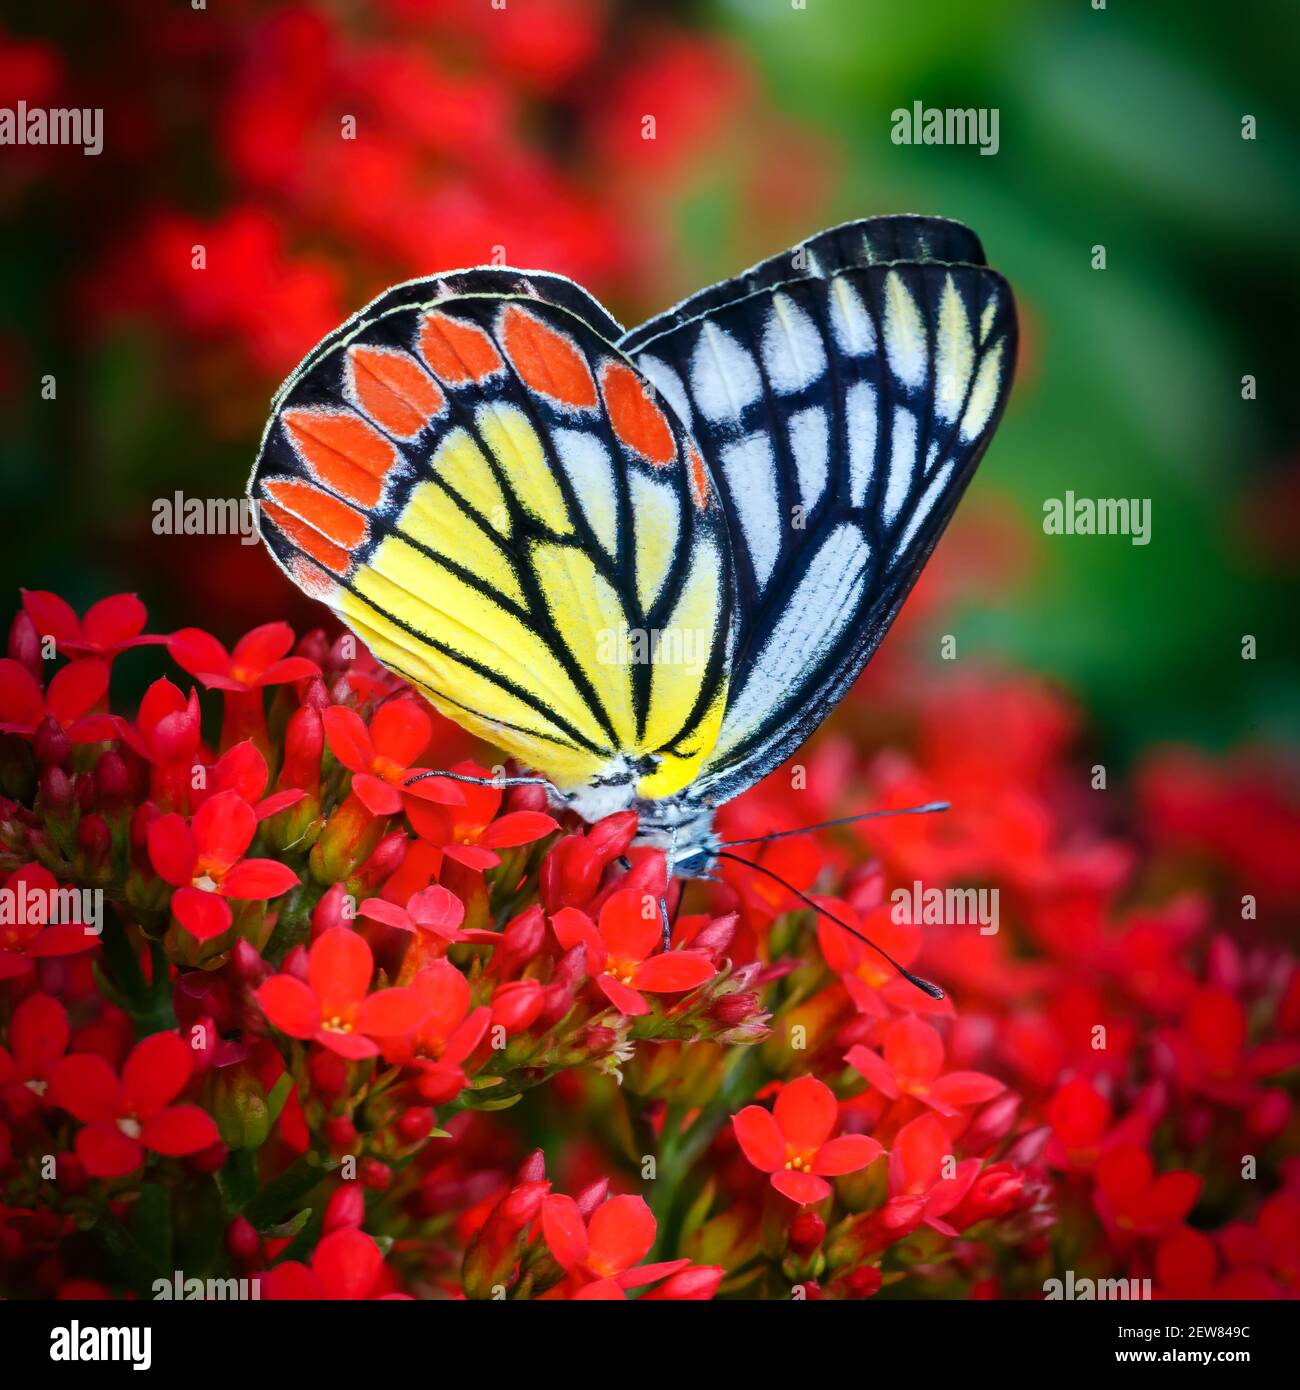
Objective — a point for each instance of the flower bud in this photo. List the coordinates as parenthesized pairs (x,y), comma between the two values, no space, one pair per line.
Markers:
(375,1174)
(346,1207)
(242,1240)
(304,742)
(51,747)
(240,1108)
(56,793)
(25,643)
(328,1073)
(807,1231)
(112,782)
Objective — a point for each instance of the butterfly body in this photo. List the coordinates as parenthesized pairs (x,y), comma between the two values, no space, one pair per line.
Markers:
(648,563)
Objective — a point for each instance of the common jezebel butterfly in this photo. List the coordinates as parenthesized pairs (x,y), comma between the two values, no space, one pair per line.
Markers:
(514,502)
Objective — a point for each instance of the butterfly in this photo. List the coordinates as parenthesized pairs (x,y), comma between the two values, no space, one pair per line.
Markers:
(646,563)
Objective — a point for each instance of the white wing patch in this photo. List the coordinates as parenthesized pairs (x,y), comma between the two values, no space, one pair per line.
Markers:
(984,394)
(809,446)
(902,463)
(657,519)
(667,381)
(860,412)
(854,332)
(823,605)
(792,347)
(924,506)
(954,354)
(750,470)
(724,379)
(589,469)
(904,332)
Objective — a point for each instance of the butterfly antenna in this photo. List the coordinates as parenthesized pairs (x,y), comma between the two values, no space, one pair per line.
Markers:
(482,781)
(925,986)
(843,820)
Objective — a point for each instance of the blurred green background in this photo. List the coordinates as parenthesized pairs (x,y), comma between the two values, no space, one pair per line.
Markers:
(1119,127)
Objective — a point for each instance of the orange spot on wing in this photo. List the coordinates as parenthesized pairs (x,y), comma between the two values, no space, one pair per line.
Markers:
(455,350)
(344,451)
(637,420)
(327,514)
(698,475)
(393,389)
(308,539)
(546,359)
(311,578)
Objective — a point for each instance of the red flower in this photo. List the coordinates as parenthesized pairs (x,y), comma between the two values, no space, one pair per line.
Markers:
(31,893)
(109,627)
(436,910)
(621,954)
(793,1141)
(333,1008)
(912,1061)
(1130,1197)
(38,1035)
(73,692)
(447,1034)
(380,757)
(469,831)
(599,1255)
(925,1181)
(122,1118)
(203,860)
(259,658)
(346,1264)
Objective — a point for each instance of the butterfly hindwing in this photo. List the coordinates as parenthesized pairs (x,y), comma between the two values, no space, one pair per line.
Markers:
(488,493)
(842,413)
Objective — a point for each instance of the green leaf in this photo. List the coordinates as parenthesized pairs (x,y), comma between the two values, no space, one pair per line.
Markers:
(274,1203)
(151,1225)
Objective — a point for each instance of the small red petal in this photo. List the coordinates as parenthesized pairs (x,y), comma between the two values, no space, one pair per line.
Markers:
(803,1188)
(759,1138)
(179,1130)
(204,915)
(258,879)
(290,1006)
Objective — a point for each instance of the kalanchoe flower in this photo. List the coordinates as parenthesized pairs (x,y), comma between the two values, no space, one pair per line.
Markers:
(260,658)
(38,1036)
(380,757)
(203,860)
(31,893)
(435,910)
(793,1143)
(911,1065)
(123,1117)
(622,953)
(110,626)
(346,1264)
(600,1253)
(73,693)
(334,1007)
(469,830)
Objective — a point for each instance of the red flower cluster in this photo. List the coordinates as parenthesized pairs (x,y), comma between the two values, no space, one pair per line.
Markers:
(271,984)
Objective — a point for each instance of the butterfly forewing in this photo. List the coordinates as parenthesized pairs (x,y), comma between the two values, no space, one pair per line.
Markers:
(842,415)
(489,494)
